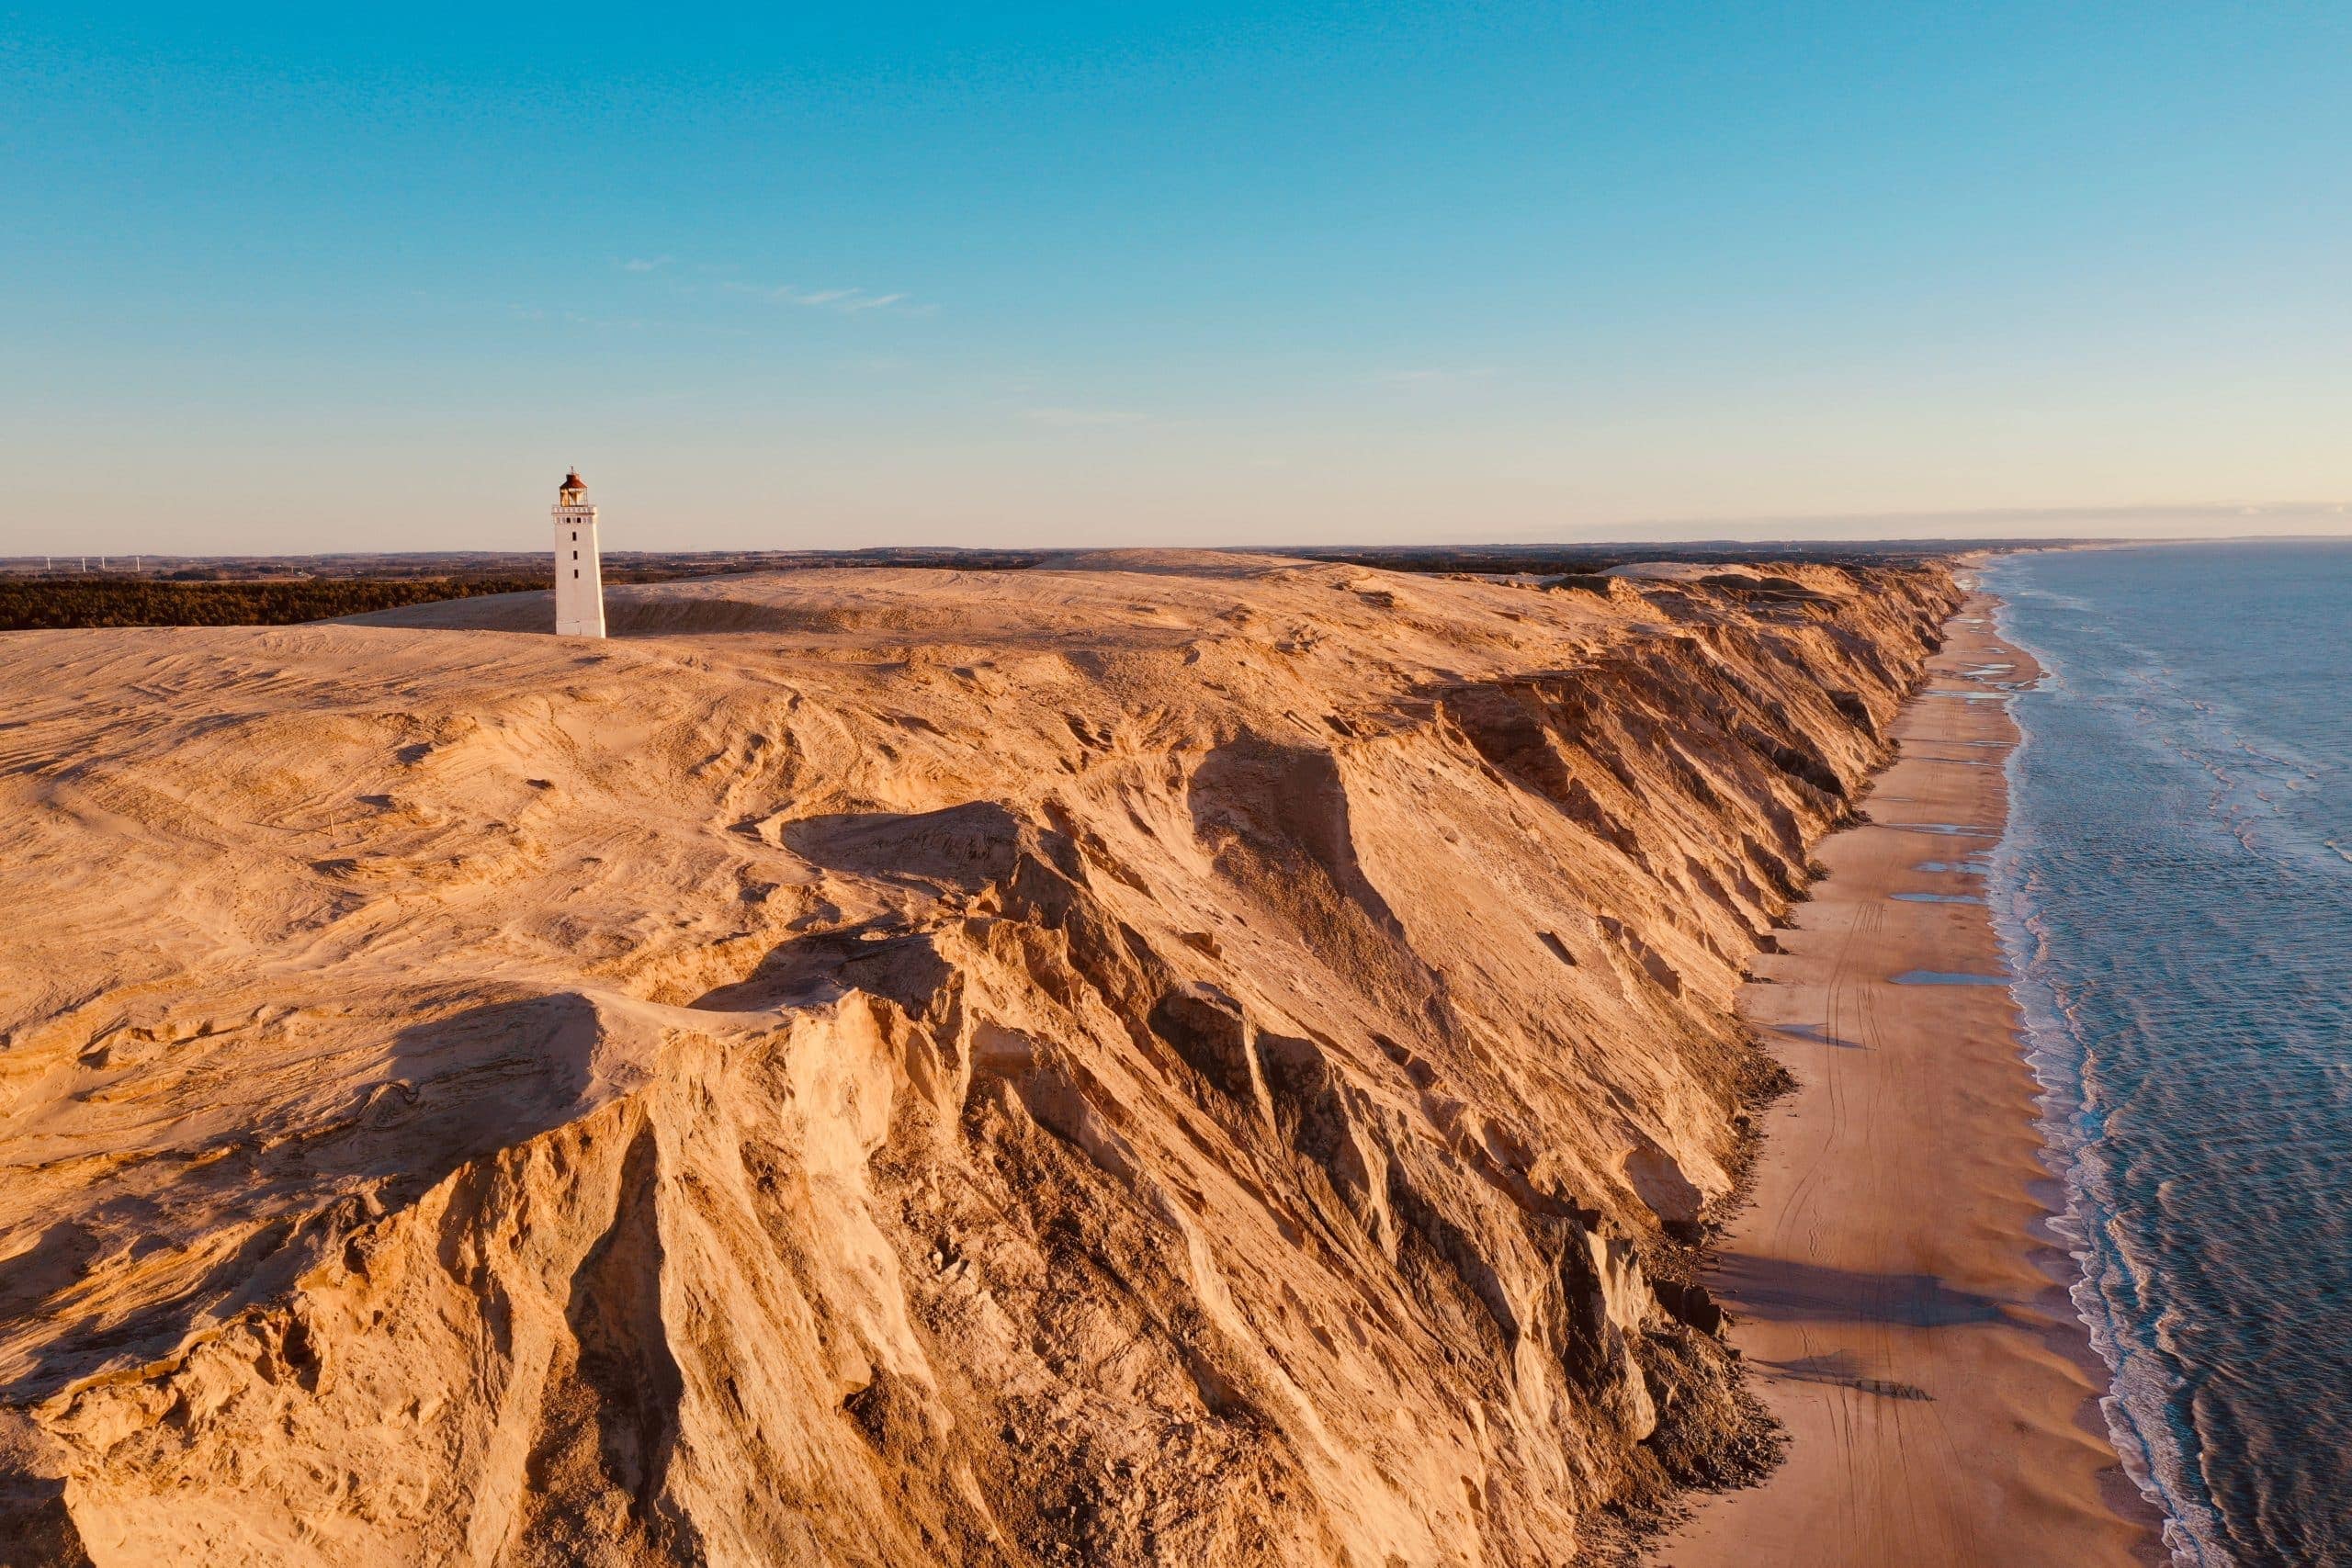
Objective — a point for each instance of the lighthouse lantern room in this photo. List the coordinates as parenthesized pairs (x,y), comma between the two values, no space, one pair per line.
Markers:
(579,579)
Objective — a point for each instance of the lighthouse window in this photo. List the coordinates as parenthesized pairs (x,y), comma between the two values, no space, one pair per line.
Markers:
(575,535)
(575,571)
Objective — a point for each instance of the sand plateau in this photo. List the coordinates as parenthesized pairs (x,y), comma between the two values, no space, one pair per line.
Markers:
(1184,1059)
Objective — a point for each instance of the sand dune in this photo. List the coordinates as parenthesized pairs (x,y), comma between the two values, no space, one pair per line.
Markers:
(1154,1059)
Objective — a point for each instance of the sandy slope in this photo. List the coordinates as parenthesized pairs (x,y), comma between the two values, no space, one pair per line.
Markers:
(1170,1059)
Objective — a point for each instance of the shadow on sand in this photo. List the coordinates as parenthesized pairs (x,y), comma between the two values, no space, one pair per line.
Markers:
(1776,1291)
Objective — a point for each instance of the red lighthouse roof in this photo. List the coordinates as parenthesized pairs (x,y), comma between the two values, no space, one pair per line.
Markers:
(573,481)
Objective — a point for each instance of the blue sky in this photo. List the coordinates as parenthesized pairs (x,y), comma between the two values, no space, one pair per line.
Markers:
(303,279)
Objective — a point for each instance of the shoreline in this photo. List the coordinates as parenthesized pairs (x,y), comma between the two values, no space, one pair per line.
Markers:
(1897,1288)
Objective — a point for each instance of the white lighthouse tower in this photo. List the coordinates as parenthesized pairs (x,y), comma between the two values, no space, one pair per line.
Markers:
(579,579)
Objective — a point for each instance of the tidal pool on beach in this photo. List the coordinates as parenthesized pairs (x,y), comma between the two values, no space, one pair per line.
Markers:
(1947,978)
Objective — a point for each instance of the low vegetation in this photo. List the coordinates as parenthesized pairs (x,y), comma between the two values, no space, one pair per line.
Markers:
(35,604)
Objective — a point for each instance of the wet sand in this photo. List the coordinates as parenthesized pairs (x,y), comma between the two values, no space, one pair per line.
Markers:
(1897,1292)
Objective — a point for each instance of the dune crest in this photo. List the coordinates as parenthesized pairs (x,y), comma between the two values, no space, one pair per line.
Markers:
(1142,1060)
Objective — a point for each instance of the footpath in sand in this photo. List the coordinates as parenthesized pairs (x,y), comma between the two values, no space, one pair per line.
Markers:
(1896,1294)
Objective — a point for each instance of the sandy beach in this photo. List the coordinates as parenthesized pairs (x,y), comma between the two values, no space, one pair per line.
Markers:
(1897,1292)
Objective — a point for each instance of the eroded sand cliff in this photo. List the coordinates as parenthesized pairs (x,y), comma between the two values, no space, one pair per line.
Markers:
(1179,1059)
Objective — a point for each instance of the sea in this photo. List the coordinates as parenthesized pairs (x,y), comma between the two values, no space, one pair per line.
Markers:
(2174,893)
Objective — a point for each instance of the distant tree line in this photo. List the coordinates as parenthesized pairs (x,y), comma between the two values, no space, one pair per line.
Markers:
(39,603)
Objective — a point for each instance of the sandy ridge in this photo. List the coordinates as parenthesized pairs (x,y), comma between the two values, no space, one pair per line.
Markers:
(1161,1060)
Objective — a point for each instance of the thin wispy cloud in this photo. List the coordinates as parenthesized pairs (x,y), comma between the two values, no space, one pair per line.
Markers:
(645,264)
(842,301)
(1084,419)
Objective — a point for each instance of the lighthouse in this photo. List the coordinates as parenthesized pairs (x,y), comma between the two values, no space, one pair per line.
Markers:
(578,581)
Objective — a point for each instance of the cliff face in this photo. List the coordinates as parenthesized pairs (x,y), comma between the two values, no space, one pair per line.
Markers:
(1184,1060)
